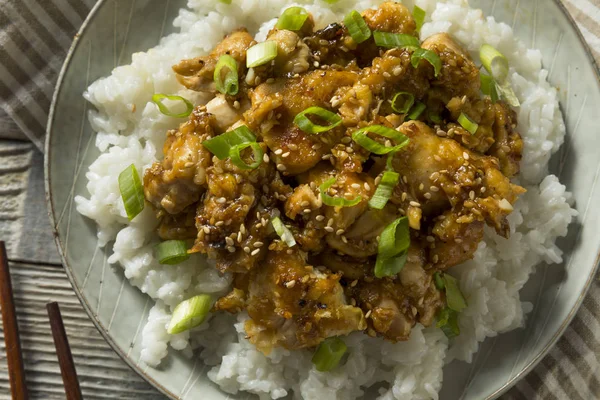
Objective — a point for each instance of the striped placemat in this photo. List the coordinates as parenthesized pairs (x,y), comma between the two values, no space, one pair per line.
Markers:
(34,38)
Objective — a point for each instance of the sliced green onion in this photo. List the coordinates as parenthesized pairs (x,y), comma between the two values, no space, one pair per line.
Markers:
(384,190)
(392,40)
(392,248)
(508,93)
(357,27)
(435,118)
(448,323)
(226,75)
(305,124)
(172,252)
(132,191)
(330,1)
(158,97)
(428,55)
(454,297)
(284,233)
(329,354)
(402,102)
(488,87)
(416,111)
(468,123)
(439,281)
(261,53)
(236,156)
(419,16)
(388,161)
(225,1)
(494,62)
(336,201)
(360,137)
(189,314)
(292,19)
(222,144)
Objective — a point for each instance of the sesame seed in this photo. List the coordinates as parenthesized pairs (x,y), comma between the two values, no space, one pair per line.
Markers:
(377,180)
(330,222)
(404,196)
(278,151)
(386,75)
(430,239)
(258,226)
(316,64)
(229,241)
(404,179)
(437,158)
(281,167)
(472,195)
(293,146)
(355,186)
(239,237)
(344,239)
(258,244)
(290,284)
(306,210)
(421,186)
(465,155)
(482,190)
(255,252)
(320,217)
(366,186)
(284,155)
(270,80)
(221,200)
(435,258)
(329,229)
(264,221)
(353,302)
(368,314)
(354,283)
(231,249)
(346,139)
(415,204)
(397,70)
(246,249)
(206,230)
(457,240)
(434,188)
(339,232)
(266,158)
(236,105)
(220,223)
(427,195)
(316,146)
(434,176)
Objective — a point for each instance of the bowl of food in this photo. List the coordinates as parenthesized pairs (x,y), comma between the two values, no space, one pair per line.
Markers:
(328,199)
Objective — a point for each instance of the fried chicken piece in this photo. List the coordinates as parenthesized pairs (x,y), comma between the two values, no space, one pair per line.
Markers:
(198,73)
(292,53)
(390,17)
(295,306)
(179,179)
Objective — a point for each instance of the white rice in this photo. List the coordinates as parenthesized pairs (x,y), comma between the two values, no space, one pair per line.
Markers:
(131,130)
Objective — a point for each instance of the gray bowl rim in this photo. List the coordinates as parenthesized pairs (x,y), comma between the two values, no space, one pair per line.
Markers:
(59,244)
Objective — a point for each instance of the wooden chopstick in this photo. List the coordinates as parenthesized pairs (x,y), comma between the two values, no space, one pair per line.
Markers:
(16,372)
(63,351)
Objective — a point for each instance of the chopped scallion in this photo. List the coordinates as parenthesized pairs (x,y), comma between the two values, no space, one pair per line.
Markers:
(416,111)
(384,190)
(448,323)
(336,201)
(171,252)
(454,297)
(392,40)
(435,118)
(220,145)
(468,123)
(261,53)
(508,93)
(494,62)
(157,99)
(392,249)
(402,102)
(306,125)
(226,75)
(189,314)
(284,233)
(360,137)
(132,191)
(428,55)
(329,354)
(225,1)
(419,16)
(236,156)
(357,27)
(439,281)
(488,87)
(292,19)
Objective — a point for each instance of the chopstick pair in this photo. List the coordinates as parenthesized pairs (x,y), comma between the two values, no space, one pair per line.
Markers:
(16,370)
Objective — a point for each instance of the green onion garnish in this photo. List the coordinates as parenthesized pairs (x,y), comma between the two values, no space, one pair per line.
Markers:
(488,87)
(336,201)
(357,27)
(494,62)
(448,323)
(292,19)
(384,190)
(132,191)
(225,1)
(221,145)
(392,249)
(416,111)
(158,97)
(236,157)
(284,233)
(508,93)
(306,125)
(329,354)
(468,123)
(435,118)
(439,281)
(419,16)
(226,75)
(261,53)
(402,102)
(428,55)
(189,314)
(454,297)
(392,40)
(360,137)
(171,252)
(330,1)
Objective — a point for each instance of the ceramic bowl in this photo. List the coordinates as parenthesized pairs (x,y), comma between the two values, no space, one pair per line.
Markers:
(117,28)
